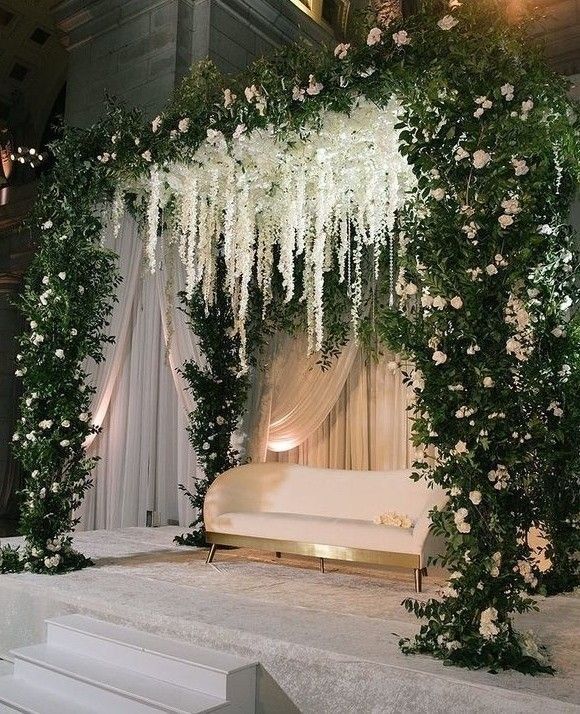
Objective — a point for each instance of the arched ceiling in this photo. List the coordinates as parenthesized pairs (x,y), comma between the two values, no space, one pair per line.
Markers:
(33,66)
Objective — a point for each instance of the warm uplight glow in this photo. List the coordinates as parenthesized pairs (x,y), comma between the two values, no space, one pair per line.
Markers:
(312,8)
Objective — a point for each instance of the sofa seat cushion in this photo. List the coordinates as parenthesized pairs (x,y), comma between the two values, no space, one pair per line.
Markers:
(321,530)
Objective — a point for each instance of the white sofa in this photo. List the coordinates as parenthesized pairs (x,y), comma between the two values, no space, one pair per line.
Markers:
(324,513)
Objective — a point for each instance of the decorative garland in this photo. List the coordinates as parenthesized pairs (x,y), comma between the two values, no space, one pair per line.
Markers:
(486,270)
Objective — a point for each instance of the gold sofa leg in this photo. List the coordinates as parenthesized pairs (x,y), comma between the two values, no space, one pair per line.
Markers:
(418,579)
(321,565)
(211,554)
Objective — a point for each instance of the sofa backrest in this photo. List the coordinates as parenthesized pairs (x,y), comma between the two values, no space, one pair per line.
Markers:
(288,488)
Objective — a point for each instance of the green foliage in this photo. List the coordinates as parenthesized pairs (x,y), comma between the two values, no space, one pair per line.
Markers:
(220,393)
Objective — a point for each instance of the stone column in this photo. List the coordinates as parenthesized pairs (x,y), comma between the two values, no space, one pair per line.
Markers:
(138,50)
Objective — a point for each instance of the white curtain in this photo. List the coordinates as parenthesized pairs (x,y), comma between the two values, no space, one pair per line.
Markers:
(140,402)
(353,415)
(367,428)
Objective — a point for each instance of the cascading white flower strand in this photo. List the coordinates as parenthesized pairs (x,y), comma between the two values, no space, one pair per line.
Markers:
(324,199)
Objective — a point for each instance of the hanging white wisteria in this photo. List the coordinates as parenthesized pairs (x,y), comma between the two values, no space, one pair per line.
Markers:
(319,197)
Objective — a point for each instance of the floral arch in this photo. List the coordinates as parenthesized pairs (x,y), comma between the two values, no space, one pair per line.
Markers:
(413,189)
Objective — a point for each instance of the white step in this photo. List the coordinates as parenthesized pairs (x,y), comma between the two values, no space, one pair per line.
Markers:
(18,695)
(108,687)
(216,673)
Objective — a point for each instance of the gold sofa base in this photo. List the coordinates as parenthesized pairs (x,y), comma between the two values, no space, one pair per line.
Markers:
(321,551)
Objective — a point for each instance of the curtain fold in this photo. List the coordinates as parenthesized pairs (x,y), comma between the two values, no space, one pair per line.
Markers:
(367,428)
(143,449)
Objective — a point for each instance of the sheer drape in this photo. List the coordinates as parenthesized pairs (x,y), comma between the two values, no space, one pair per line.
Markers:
(292,394)
(368,427)
(354,415)
(143,448)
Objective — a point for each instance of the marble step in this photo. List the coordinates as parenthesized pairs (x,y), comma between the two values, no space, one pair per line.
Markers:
(19,695)
(109,687)
(215,673)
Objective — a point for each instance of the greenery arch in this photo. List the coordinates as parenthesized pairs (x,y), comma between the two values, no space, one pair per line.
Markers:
(483,240)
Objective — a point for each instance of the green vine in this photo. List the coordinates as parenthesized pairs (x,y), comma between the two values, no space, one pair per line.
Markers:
(220,393)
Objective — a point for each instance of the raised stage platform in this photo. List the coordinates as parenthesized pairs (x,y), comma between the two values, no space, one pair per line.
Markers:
(327,643)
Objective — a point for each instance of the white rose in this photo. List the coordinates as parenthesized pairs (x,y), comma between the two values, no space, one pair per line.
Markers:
(401,38)
(156,124)
(183,125)
(511,206)
(439,302)
(456,302)
(491,270)
(84,416)
(426,300)
(505,220)
(65,442)
(488,382)
(229,98)
(475,497)
(341,50)
(59,354)
(507,91)
(314,87)
(146,155)
(521,168)
(447,23)
(65,423)
(481,159)
(374,36)
(439,357)
(460,448)
(438,193)
(527,106)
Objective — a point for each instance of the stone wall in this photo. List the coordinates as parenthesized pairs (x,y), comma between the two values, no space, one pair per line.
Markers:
(138,50)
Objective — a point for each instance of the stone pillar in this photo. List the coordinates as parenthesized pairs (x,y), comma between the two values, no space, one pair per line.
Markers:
(138,50)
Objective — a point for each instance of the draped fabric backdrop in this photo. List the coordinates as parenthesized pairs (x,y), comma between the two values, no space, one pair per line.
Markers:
(140,401)
(353,415)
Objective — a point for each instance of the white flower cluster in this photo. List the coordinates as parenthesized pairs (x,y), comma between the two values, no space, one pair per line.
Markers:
(499,477)
(488,627)
(460,520)
(495,564)
(302,196)
(392,518)
(521,344)
(527,572)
